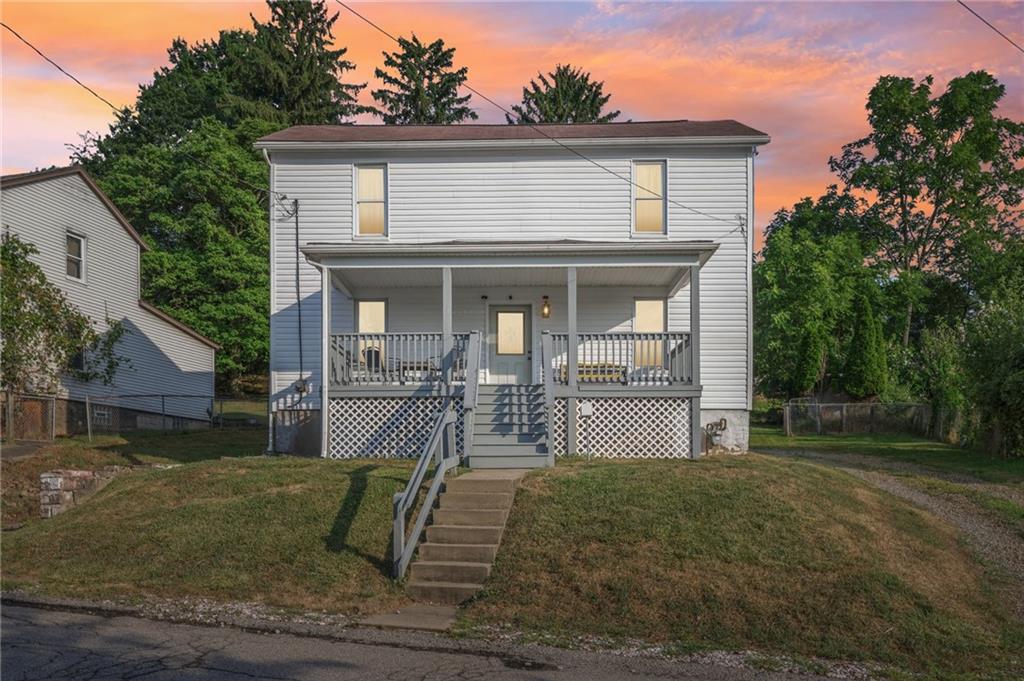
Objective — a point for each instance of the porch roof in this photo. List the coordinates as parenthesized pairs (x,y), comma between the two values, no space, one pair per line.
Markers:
(511,263)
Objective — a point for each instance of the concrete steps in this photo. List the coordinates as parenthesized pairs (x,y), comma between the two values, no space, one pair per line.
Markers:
(462,541)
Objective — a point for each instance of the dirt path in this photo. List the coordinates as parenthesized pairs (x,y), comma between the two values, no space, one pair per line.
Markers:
(994,541)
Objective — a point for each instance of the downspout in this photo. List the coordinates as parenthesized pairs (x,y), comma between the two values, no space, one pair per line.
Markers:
(270,371)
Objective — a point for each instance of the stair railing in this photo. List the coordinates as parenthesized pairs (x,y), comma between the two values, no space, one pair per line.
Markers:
(440,448)
(470,396)
(547,363)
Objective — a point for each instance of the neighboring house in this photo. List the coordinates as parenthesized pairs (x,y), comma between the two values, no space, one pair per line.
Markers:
(89,251)
(609,284)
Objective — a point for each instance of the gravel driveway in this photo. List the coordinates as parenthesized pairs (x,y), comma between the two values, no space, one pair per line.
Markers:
(993,540)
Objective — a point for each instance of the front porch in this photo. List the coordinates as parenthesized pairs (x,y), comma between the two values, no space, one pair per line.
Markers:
(541,349)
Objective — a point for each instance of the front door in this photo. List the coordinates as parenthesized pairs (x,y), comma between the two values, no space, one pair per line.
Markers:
(509,352)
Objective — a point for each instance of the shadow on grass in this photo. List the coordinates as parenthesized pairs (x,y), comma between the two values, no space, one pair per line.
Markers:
(338,540)
(141,447)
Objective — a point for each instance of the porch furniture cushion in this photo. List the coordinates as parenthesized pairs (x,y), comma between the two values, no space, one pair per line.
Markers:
(595,372)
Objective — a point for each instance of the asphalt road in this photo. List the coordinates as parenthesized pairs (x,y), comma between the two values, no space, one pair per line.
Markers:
(47,644)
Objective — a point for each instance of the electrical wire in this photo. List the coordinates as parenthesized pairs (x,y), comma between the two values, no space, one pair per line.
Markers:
(541,132)
(123,112)
(989,24)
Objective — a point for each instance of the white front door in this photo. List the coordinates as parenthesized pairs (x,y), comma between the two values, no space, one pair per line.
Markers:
(509,352)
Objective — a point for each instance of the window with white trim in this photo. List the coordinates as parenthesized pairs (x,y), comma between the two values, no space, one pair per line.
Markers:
(371,200)
(649,195)
(75,266)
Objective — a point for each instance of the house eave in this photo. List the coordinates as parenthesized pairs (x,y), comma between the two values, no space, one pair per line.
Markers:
(510,254)
(718,140)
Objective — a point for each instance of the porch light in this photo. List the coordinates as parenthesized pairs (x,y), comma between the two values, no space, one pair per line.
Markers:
(545,308)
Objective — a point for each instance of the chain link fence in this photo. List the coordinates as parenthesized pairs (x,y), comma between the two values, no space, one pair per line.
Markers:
(805,417)
(44,417)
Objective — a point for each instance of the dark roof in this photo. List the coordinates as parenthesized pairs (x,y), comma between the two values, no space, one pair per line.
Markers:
(444,133)
(10,181)
(157,312)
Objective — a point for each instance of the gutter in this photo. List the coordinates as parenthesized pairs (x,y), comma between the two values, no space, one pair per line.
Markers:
(326,145)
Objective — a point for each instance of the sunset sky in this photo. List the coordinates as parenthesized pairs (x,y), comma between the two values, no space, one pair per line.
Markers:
(799,71)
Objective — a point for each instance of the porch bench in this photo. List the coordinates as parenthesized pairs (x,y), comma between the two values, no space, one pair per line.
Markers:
(596,372)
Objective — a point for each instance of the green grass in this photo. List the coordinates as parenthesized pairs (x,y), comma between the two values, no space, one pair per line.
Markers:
(289,532)
(771,555)
(19,480)
(905,448)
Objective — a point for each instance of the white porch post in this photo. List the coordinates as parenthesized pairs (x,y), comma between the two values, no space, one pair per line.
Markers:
(696,431)
(447,340)
(572,363)
(325,360)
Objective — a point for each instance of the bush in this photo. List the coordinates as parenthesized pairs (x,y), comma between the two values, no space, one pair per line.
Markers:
(994,363)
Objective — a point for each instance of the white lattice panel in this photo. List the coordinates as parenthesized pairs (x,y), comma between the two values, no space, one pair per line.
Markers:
(384,427)
(629,427)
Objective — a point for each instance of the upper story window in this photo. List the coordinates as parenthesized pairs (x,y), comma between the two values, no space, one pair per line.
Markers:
(371,200)
(649,197)
(75,256)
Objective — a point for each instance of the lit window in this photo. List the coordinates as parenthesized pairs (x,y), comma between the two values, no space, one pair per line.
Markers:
(649,197)
(75,257)
(648,317)
(371,316)
(511,333)
(371,200)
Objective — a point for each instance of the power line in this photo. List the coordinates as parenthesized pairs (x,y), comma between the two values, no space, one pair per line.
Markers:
(540,131)
(987,23)
(122,112)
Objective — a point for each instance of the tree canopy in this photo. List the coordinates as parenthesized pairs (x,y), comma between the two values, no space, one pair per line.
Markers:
(565,95)
(181,166)
(422,85)
(936,169)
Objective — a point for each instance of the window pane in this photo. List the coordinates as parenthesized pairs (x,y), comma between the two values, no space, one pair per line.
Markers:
(371,184)
(650,215)
(648,317)
(74,246)
(371,218)
(74,268)
(372,316)
(649,180)
(511,333)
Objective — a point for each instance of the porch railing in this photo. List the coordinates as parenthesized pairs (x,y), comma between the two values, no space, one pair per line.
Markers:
(396,358)
(642,359)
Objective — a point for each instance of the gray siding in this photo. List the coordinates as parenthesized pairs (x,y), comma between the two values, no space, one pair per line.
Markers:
(164,359)
(529,195)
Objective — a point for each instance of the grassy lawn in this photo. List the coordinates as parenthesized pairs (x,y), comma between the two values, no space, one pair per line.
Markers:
(753,552)
(19,480)
(907,448)
(289,532)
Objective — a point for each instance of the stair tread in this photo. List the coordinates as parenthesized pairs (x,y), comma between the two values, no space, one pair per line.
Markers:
(470,527)
(454,585)
(452,563)
(456,546)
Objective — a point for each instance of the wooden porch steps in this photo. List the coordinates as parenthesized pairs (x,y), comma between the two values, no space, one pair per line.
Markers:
(509,427)
(462,541)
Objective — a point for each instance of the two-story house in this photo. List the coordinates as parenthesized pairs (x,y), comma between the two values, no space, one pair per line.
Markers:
(89,251)
(572,289)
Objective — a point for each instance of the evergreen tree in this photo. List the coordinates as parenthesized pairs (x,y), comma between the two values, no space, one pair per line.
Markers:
(422,86)
(866,372)
(565,95)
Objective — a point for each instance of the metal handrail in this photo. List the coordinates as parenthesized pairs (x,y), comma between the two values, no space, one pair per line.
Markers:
(447,458)
(472,391)
(547,356)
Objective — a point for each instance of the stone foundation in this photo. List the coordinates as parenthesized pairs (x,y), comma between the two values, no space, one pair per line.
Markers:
(64,489)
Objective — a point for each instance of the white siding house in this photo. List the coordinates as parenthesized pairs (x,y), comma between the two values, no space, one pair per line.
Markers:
(88,249)
(439,229)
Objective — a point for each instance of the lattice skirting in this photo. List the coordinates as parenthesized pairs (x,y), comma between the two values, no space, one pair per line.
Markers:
(386,427)
(627,427)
